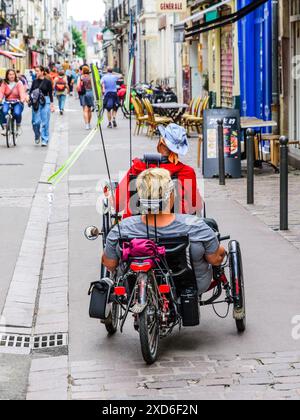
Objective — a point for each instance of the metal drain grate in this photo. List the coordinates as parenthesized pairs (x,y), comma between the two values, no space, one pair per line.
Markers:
(33,343)
(50,341)
(15,341)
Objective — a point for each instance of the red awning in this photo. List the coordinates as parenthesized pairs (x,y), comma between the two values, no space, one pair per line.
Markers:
(7,54)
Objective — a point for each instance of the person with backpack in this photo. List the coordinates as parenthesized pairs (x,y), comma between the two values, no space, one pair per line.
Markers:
(61,90)
(13,93)
(86,96)
(41,100)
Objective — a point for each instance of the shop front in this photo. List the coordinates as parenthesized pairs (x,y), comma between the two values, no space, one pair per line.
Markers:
(295,79)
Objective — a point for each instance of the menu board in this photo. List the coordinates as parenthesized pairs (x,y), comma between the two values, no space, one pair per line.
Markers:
(232,142)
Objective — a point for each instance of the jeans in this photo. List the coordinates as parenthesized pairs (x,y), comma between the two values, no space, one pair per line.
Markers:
(61,102)
(41,122)
(18,109)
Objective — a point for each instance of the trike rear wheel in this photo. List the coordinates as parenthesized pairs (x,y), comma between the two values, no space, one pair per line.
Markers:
(237,286)
(112,322)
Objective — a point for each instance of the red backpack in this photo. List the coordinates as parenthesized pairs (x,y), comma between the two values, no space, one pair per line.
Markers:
(61,85)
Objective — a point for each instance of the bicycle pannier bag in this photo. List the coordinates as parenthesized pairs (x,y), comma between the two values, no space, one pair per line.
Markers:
(100,292)
(190,308)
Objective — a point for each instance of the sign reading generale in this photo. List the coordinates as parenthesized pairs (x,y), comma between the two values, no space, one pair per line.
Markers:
(175,6)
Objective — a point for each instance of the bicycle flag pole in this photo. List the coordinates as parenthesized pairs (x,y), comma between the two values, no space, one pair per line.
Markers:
(127,103)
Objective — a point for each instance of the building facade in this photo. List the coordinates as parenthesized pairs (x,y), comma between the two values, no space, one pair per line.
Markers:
(38,31)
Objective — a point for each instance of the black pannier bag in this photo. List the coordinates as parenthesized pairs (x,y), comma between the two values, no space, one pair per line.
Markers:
(100,305)
(190,308)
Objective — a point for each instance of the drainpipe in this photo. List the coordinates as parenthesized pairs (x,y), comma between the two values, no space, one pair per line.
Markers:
(275,75)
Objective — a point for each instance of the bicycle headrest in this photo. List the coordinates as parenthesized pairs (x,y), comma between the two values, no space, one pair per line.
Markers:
(153,158)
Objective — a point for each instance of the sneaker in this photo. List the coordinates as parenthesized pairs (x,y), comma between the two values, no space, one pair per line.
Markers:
(115,124)
(110,125)
(19,130)
(61,112)
(37,141)
(87,127)
(3,132)
(44,144)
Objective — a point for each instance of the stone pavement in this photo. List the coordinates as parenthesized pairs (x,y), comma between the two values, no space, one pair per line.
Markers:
(250,376)
(45,351)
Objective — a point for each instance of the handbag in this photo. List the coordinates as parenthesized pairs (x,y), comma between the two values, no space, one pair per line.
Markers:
(81,88)
(37,98)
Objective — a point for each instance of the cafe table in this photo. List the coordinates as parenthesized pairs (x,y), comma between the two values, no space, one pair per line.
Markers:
(173,110)
(258,125)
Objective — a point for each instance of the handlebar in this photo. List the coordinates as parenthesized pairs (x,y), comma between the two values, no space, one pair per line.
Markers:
(224,238)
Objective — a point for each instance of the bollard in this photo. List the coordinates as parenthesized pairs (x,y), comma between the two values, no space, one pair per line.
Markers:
(221,153)
(284,183)
(250,166)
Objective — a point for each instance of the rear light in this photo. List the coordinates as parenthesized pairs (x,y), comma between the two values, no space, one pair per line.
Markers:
(141,268)
(164,289)
(120,291)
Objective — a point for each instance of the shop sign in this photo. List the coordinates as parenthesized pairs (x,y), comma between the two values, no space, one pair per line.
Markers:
(4,34)
(175,6)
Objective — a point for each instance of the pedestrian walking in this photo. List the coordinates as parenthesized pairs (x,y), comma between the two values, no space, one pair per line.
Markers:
(12,92)
(76,78)
(111,99)
(53,74)
(70,79)
(61,90)
(22,78)
(41,98)
(86,96)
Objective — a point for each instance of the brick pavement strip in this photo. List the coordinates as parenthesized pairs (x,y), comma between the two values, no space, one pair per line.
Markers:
(48,379)
(21,299)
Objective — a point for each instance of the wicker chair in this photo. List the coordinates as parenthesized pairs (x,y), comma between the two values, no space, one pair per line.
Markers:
(141,119)
(195,122)
(193,112)
(153,120)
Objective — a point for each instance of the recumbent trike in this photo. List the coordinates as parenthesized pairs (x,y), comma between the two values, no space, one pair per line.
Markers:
(160,291)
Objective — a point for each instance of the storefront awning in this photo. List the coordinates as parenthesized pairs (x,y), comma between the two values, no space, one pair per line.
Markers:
(199,15)
(223,20)
(17,55)
(7,55)
(14,47)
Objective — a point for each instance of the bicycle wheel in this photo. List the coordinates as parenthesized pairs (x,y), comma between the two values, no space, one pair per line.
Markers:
(112,322)
(149,327)
(9,133)
(14,131)
(238,286)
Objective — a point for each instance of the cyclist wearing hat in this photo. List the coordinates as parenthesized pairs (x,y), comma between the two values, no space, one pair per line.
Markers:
(173,143)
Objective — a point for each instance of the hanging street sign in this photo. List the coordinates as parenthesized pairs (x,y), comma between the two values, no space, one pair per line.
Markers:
(4,34)
(175,6)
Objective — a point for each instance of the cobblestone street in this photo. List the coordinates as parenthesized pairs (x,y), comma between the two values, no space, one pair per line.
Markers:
(50,349)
